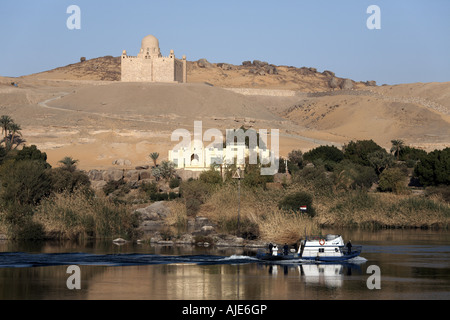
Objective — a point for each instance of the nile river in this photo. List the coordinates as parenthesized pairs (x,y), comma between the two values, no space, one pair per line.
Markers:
(413,264)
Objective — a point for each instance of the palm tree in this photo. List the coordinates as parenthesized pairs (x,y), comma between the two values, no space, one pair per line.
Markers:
(154,156)
(68,163)
(397,146)
(5,123)
(14,129)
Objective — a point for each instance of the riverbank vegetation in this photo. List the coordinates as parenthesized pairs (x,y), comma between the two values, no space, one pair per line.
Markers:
(40,202)
(361,185)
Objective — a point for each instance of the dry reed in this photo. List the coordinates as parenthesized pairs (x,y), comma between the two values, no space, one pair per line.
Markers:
(258,210)
(74,215)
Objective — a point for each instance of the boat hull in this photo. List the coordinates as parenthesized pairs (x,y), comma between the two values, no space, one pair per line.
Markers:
(269,257)
(333,258)
(319,258)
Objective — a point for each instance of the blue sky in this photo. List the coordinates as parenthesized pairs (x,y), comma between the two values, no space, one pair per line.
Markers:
(413,44)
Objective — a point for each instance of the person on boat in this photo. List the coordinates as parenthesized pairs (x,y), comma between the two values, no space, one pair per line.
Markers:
(349,247)
(270,247)
(286,249)
(275,250)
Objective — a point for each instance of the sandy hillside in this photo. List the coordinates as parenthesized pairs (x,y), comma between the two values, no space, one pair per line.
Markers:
(82,111)
(254,74)
(372,117)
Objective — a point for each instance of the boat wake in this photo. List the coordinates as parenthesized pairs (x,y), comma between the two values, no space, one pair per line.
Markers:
(235,257)
(357,260)
(27,260)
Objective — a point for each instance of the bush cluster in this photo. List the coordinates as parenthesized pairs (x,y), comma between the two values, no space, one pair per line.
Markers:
(34,197)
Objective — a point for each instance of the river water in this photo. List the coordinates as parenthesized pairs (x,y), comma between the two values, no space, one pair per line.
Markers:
(411,264)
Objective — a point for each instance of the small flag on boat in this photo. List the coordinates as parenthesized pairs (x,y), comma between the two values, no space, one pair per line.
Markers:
(303,208)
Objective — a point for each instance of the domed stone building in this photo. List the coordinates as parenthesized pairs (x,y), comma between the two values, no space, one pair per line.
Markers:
(150,66)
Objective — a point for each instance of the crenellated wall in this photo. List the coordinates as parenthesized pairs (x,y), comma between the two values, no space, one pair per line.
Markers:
(153,68)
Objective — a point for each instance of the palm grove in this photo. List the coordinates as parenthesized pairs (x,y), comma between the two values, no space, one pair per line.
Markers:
(38,201)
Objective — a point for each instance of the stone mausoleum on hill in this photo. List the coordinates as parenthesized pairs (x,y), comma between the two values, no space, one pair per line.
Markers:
(150,66)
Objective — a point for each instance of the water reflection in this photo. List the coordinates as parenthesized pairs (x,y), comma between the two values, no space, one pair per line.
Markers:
(329,275)
(414,264)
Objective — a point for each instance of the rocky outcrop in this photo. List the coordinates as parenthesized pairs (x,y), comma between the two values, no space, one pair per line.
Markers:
(333,83)
(259,72)
(122,162)
(155,212)
(200,230)
(99,178)
(225,66)
(306,71)
(105,175)
(346,84)
(260,68)
(229,241)
(117,174)
(203,63)
(328,73)
(152,217)
(259,64)
(271,69)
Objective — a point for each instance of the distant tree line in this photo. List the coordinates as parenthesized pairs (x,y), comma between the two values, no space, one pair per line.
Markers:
(361,163)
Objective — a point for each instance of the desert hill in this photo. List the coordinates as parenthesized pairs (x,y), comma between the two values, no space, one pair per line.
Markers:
(164,101)
(251,74)
(104,68)
(373,116)
(83,111)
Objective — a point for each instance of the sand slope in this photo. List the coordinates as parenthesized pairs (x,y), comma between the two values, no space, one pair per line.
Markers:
(78,111)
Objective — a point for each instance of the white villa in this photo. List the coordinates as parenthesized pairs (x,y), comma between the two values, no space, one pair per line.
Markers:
(199,158)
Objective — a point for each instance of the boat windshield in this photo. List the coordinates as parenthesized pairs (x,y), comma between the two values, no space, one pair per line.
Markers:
(328,237)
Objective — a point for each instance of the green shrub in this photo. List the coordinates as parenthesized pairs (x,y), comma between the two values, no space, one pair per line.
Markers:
(247,229)
(28,230)
(173,195)
(295,161)
(112,186)
(211,176)
(32,153)
(358,151)
(163,196)
(348,175)
(393,180)
(167,170)
(434,169)
(149,188)
(412,154)
(253,177)
(174,183)
(380,160)
(195,193)
(326,153)
(24,182)
(316,178)
(293,202)
(70,180)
